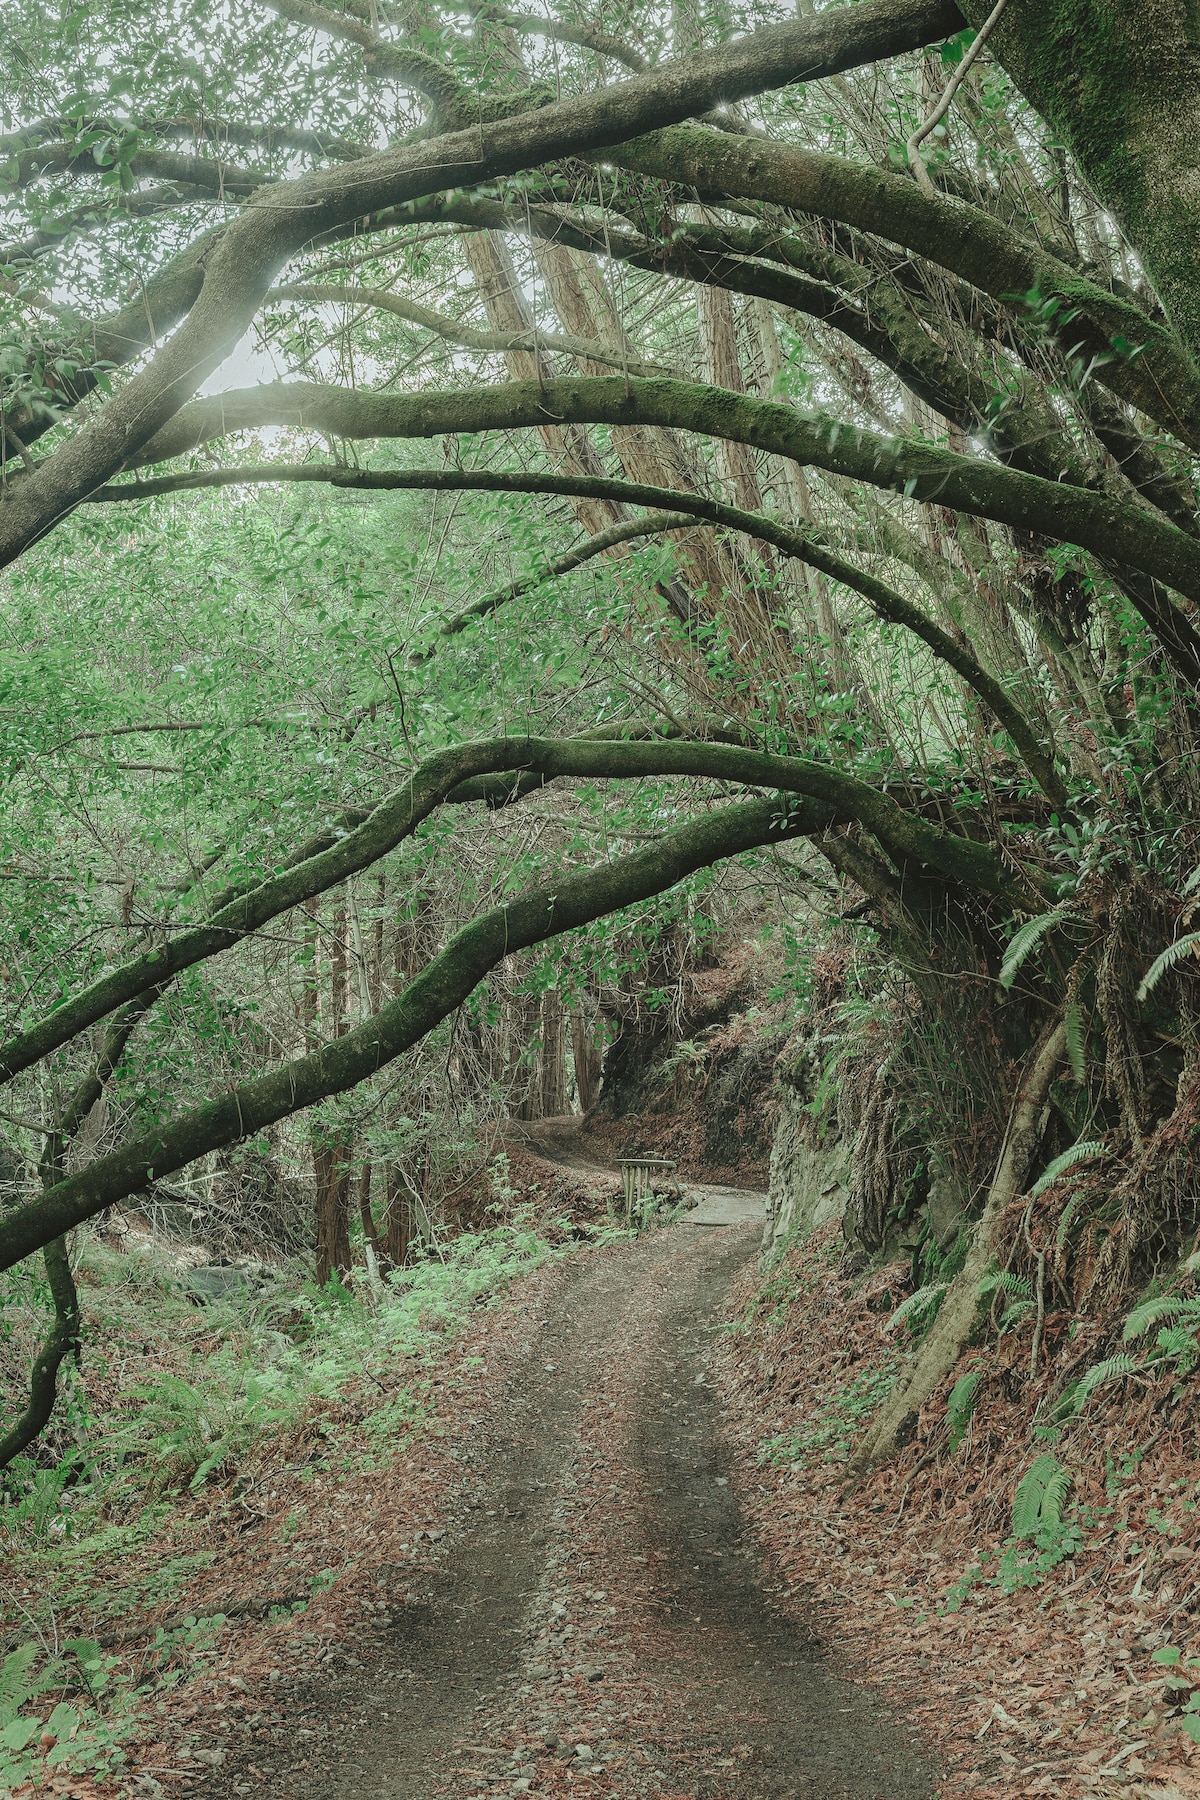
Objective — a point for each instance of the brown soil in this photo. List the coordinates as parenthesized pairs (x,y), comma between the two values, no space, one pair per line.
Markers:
(597,1624)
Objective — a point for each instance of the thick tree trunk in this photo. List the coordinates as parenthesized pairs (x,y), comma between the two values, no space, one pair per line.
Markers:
(960,1310)
(1120,86)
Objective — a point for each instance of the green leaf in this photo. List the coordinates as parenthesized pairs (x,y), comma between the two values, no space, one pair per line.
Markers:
(1039,1496)
(1023,941)
(960,1406)
(1073,1021)
(1168,1656)
(1166,960)
(1150,1312)
(1081,1152)
(62,1720)
(12,1670)
(18,1733)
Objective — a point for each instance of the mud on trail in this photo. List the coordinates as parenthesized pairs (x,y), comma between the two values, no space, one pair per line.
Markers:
(598,1623)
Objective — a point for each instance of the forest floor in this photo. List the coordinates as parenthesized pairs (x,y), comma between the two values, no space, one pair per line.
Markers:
(592,1622)
(588,1572)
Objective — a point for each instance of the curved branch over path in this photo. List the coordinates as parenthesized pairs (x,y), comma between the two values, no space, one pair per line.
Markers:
(574,900)
(1138,358)
(906,836)
(1123,534)
(278,221)
(804,545)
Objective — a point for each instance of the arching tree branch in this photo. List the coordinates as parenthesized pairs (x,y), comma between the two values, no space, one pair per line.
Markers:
(573,900)
(1124,534)
(805,545)
(280,220)
(444,776)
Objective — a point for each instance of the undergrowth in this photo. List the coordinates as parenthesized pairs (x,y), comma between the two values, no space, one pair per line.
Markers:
(175,1400)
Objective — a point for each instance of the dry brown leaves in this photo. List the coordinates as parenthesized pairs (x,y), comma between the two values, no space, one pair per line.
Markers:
(1050,1690)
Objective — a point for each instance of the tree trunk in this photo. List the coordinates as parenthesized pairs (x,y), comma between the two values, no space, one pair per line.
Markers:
(960,1310)
(588,1059)
(399,1228)
(554,1056)
(331,1171)
(330,1150)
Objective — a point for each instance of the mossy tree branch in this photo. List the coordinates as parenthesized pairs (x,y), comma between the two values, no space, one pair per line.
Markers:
(444,777)
(1126,534)
(573,900)
(805,545)
(281,219)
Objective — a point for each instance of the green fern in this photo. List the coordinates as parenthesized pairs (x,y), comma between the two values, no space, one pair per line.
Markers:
(1076,1055)
(1003,1281)
(1113,1368)
(1178,1346)
(1067,1216)
(1169,957)
(1165,1306)
(960,1407)
(1082,1152)
(1038,1501)
(912,1312)
(1023,941)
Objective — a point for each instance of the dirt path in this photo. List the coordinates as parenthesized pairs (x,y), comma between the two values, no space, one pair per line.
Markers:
(597,1625)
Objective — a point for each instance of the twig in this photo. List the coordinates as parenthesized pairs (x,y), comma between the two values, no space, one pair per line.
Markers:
(912,147)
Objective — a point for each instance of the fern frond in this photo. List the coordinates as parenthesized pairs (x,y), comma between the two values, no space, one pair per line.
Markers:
(1169,957)
(1082,1152)
(1073,1022)
(1192,882)
(960,1406)
(1166,1306)
(922,1301)
(1005,1281)
(1066,1216)
(1113,1368)
(1041,1478)
(1012,1315)
(1023,941)
(1058,1486)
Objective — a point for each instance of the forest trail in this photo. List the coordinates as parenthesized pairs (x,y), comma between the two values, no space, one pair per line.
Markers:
(599,1623)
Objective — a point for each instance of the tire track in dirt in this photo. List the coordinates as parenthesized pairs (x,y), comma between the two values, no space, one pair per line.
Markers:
(597,1627)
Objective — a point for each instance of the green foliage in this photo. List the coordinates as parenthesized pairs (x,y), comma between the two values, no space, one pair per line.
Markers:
(1075,1397)
(960,1408)
(1023,941)
(1083,1152)
(1163,1306)
(917,1313)
(81,1737)
(1040,1536)
(1076,1043)
(831,1434)
(1166,960)
(1038,1501)
(199,1423)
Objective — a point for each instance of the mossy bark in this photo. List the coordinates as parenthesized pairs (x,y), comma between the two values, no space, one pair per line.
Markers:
(511,763)
(1118,81)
